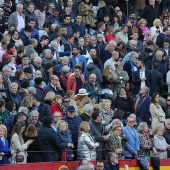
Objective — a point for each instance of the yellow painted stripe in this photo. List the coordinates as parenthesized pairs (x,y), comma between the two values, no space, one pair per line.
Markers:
(150,168)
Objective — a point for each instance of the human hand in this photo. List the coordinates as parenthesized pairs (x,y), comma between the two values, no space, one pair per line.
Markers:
(143,78)
(135,153)
(69,144)
(105,137)
(30,141)
(12,152)
(96,88)
(118,151)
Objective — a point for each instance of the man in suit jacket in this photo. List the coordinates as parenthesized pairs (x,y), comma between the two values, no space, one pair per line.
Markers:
(158,76)
(142,77)
(76,58)
(132,146)
(54,86)
(17,18)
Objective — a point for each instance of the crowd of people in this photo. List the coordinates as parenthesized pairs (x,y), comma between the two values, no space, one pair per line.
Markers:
(84,80)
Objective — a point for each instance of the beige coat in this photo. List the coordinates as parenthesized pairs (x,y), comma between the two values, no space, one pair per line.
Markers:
(155,114)
(87,15)
(16,144)
(41,17)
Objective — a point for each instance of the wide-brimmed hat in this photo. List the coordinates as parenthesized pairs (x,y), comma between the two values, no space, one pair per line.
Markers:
(82,92)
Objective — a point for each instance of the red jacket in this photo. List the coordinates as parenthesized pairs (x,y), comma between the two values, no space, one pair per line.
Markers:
(63,81)
(57,108)
(110,37)
(71,83)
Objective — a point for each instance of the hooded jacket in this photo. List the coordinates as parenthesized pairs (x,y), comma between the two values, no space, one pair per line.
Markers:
(93,69)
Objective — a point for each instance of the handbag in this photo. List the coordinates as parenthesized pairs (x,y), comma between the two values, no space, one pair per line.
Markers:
(19,158)
(161,119)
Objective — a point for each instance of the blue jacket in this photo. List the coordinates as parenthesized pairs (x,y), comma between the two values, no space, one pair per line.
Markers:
(34,33)
(15,98)
(65,138)
(160,38)
(133,143)
(73,126)
(6,150)
(9,123)
(81,60)
(144,112)
(81,28)
(51,142)
(90,89)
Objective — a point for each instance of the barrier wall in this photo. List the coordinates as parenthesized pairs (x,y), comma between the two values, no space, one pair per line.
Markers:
(132,164)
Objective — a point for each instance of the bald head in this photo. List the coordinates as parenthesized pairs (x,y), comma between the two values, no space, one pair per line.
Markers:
(92,78)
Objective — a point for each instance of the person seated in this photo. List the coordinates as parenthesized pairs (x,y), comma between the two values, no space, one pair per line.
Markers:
(112,161)
(85,164)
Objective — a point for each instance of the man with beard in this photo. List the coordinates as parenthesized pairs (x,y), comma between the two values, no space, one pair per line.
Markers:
(142,77)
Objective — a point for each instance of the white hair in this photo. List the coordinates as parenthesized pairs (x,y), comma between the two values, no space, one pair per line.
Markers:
(88,107)
(37,59)
(113,43)
(34,111)
(22,109)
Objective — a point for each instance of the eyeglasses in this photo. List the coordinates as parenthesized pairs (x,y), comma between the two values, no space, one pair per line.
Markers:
(131,121)
(56,116)
(136,57)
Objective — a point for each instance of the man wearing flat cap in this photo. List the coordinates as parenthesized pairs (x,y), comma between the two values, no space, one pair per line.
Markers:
(73,125)
(28,73)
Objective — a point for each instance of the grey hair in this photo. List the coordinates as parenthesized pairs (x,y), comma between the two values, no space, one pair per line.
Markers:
(110,154)
(141,126)
(88,107)
(53,43)
(19,5)
(113,43)
(31,89)
(147,89)
(21,109)
(18,43)
(131,41)
(159,52)
(37,59)
(34,111)
(166,121)
(45,51)
(6,67)
(134,54)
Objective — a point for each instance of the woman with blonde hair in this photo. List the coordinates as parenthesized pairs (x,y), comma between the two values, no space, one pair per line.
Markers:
(156,29)
(159,141)
(13,95)
(49,98)
(86,143)
(107,114)
(65,138)
(32,134)
(17,142)
(157,114)
(101,11)
(5,151)
(143,31)
(86,39)
(71,95)
(110,34)
(114,142)
(85,101)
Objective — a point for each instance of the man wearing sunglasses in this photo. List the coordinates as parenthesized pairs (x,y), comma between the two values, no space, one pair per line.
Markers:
(133,144)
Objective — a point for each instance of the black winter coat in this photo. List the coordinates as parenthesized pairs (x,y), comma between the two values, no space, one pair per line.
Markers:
(150,14)
(51,142)
(35,146)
